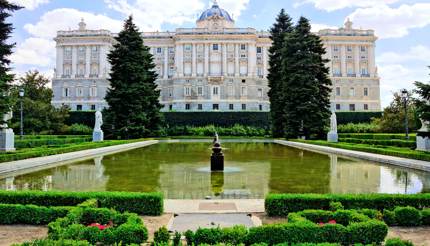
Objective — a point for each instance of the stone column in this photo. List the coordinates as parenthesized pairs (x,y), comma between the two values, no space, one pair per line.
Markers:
(371,60)
(343,60)
(103,64)
(250,60)
(224,59)
(87,61)
(194,65)
(265,60)
(207,46)
(166,63)
(236,65)
(180,60)
(74,60)
(357,60)
(60,61)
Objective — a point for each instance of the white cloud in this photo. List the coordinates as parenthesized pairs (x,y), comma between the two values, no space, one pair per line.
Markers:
(317,27)
(392,22)
(331,5)
(38,51)
(30,4)
(401,70)
(151,15)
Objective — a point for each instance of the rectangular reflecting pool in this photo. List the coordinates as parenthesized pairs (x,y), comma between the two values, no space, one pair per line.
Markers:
(181,171)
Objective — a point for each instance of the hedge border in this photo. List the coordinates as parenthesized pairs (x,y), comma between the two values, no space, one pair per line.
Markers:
(30,214)
(140,203)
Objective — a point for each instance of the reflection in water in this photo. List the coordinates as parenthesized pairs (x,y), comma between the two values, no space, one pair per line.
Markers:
(175,170)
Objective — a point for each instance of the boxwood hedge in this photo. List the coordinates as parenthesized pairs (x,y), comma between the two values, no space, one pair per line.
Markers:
(30,214)
(282,204)
(140,203)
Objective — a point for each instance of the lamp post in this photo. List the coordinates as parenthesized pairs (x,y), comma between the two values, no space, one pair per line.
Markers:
(405,99)
(21,95)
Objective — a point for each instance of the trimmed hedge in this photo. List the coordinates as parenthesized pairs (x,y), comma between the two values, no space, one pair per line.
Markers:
(81,117)
(407,216)
(141,203)
(377,136)
(223,119)
(236,130)
(303,227)
(282,204)
(31,143)
(356,117)
(392,142)
(30,214)
(49,242)
(398,242)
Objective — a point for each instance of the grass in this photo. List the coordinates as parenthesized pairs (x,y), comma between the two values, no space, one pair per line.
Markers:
(376,149)
(27,153)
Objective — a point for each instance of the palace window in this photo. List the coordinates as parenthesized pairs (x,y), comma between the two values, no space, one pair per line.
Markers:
(363,48)
(171,50)
(93,91)
(243,106)
(215,106)
(200,106)
(243,91)
(335,48)
(230,90)
(337,106)
(215,47)
(93,107)
(79,92)
(337,91)
(159,50)
(215,91)
(78,107)
(349,48)
(66,92)
(200,91)
(260,92)
(243,80)
(187,106)
(170,107)
(259,50)
(170,91)
(352,107)
(81,52)
(243,46)
(366,107)
(366,92)
(364,71)
(94,52)
(351,92)
(231,106)
(260,107)
(188,47)
(187,91)
(67,53)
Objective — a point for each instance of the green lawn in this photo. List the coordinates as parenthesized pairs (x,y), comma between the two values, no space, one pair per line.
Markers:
(27,153)
(376,149)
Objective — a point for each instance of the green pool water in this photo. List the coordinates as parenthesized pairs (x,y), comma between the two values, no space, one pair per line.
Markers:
(180,171)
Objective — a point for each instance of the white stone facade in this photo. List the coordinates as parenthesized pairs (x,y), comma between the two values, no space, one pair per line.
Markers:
(214,66)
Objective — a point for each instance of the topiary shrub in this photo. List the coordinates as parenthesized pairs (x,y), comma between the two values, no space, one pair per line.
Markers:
(189,237)
(407,216)
(162,235)
(425,216)
(398,242)
(177,239)
(333,206)
(389,217)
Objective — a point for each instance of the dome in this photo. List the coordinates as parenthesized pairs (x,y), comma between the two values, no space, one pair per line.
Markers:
(215,11)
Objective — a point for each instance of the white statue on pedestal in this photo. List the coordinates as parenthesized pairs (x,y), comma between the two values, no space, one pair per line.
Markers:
(332,135)
(7,137)
(423,136)
(98,133)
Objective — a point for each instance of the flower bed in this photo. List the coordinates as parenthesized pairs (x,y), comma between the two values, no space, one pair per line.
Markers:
(140,203)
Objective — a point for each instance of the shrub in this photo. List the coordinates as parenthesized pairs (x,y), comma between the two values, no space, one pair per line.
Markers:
(236,130)
(235,235)
(79,129)
(49,242)
(389,217)
(32,143)
(391,142)
(398,242)
(162,235)
(358,128)
(30,214)
(208,236)
(335,206)
(189,237)
(407,216)
(425,216)
(368,232)
(224,119)
(282,204)
(177,239)
(141,203)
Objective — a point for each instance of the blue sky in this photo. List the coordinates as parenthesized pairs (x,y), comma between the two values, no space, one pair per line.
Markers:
(403,27)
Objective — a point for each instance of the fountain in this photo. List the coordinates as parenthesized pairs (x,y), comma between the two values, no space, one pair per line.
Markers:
(217,157)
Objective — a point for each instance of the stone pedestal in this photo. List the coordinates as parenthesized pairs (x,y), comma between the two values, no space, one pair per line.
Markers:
(98,136)
(423,143)
(7,140)
(217,158)
(332,137)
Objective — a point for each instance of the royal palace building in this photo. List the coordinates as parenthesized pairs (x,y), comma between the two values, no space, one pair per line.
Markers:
(214,66)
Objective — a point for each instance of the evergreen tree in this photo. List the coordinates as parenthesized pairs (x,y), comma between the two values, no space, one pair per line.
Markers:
(280,28)
(5,51)
(423,103)
(39,114)
(134,109)
(306,84)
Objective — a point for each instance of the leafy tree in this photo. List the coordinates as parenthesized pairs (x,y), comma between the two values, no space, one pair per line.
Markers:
(39,114)
(280,28)
(423,103)
(393,118)
(5,51)
(306,83)
(134,109)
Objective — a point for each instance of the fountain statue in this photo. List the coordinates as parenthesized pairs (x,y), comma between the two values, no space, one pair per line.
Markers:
(217,158)
(423,136)
(98,135)
(7,137)
(332,135)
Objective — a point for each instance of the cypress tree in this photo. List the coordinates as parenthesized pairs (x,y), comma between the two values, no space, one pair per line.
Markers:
(306,84)
(134,109)
(5,51)
(280,28)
